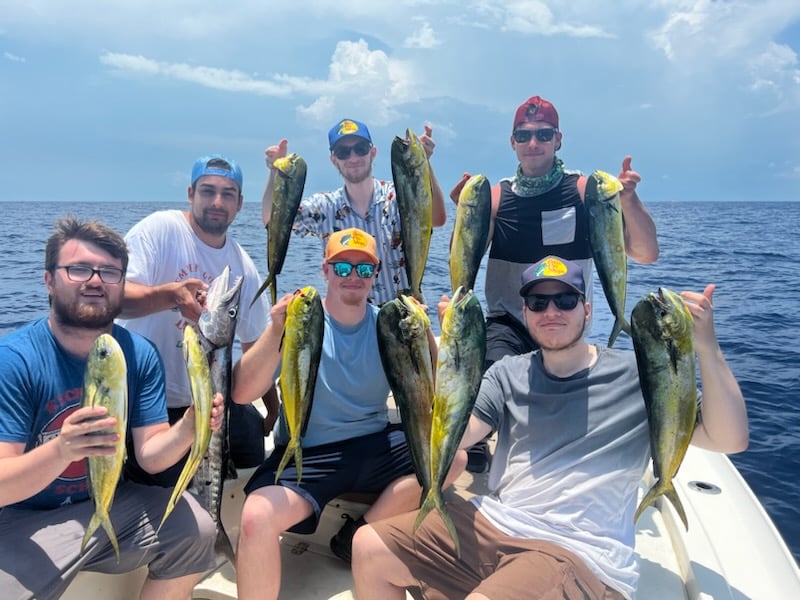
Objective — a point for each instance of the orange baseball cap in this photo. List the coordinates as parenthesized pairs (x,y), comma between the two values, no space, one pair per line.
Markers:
(349,240)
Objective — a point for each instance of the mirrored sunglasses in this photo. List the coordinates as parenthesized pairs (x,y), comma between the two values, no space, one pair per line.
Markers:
(363,270)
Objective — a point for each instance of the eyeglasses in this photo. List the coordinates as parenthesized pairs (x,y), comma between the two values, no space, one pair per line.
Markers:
(343,152)
(563,301)
(523,136)
(363,270)
(83,273)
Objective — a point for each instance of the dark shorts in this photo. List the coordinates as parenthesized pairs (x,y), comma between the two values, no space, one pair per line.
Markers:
(246,429)
(496,565)
(40,549)
(365,464)
(506,336)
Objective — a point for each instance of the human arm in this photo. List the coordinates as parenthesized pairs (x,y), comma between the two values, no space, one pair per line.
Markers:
(270,155)
(476,431)
(159,446)
(439,212)
(253,372)
(723,426)
(25,474)
(641,243)
(270,399)
(142,300)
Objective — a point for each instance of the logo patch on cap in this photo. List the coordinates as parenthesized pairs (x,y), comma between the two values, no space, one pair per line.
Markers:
(552,267)
(355,240)
(347,128)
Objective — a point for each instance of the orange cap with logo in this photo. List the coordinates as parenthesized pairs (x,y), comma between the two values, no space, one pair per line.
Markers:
(351,240)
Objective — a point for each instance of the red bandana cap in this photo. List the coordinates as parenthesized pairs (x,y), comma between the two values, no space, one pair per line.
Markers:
(536,108)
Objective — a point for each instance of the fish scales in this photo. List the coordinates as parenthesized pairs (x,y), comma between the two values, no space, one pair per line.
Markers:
(459,368)
(406,357)
(217,326)
(411,173)
(606,237)
(287,193)
(301,355)
(663,343)
(105,384)
(470,232)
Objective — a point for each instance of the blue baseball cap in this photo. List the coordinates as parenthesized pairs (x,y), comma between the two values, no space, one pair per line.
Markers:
(553,268)
(345,128)
(216,164)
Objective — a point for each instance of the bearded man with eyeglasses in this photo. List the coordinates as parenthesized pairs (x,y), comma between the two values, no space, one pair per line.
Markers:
(349,444)
(363,202)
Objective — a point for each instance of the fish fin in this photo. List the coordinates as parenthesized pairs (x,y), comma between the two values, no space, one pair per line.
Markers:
(268,281)
(620,324)
(434,499)
(287,454)
(649,498)
(672,494)
(93,525)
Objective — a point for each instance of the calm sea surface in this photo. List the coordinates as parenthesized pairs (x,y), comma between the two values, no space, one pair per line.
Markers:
(749,250)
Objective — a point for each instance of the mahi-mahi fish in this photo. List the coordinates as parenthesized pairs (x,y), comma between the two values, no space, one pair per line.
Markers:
(290,179)
(608,244)
(411,173)
(406,357)
(301,354)
(202,400)
(663,342)
(470,232)
(217,326)
(459,368)
(105,383)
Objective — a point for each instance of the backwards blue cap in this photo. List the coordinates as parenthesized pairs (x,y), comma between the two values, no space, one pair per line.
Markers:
(347,127)
(230,170)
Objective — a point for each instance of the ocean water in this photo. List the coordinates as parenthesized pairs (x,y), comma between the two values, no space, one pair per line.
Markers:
(749,250)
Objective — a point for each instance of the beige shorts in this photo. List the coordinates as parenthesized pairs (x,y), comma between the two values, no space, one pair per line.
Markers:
(496,565)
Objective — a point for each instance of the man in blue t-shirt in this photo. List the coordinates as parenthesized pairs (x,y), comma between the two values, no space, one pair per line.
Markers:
(45,435)
(348,446)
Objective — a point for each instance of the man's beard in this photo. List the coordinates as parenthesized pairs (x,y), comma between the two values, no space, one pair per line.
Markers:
(209,226)
(85,316)
(358,178)
(566,345)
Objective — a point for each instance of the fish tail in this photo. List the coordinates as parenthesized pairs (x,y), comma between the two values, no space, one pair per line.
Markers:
(434,499)
(649,498)
(104,521)
(292,450)
(672,494)
(620,324)
(268,281)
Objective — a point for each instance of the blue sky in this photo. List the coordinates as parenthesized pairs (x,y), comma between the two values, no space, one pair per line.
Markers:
(114,100)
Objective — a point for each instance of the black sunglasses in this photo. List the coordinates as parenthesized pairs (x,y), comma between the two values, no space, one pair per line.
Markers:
(343,269)
(523,136)
(563,301)
(343,152)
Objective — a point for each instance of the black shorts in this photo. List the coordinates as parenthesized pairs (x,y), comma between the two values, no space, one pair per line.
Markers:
(365,464)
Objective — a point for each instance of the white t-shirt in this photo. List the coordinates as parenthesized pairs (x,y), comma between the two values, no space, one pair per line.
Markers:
(164,248)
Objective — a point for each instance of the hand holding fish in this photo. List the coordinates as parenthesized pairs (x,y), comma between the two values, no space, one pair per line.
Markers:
(628,177)
(189,296)
(427,141)
(218,408)
(87,432)
(278,311)
(273,153)
(701,307)
(456,191)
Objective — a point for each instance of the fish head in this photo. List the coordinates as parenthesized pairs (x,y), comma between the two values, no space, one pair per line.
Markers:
(408,150)
(608,186)
(472,189)
(664,314)
(463,312)
(217,322)
(415,320)
(302,303)
(105,357)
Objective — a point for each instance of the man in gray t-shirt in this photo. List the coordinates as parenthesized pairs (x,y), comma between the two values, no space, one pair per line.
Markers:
(572,448)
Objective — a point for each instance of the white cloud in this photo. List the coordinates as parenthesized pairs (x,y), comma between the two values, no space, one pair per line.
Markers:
(424,38)
(13,57)
(535,17)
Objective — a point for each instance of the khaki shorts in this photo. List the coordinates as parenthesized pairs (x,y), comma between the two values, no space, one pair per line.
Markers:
(496,565)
